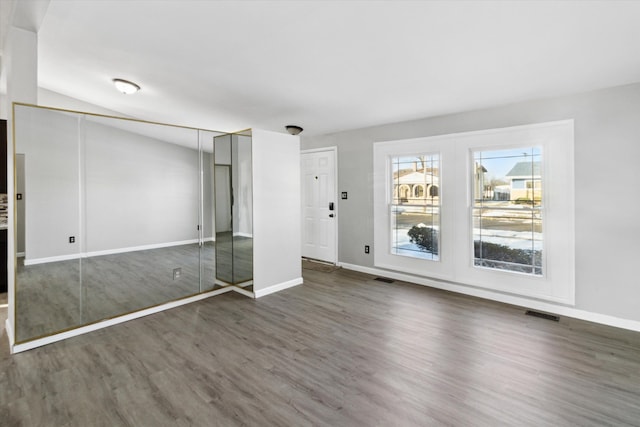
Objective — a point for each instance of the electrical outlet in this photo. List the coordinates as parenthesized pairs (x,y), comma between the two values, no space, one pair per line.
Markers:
(177,273)
(72,239)
(366,249)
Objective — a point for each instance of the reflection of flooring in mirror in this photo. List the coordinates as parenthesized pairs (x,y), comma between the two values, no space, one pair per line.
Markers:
(61,295)
(234,258)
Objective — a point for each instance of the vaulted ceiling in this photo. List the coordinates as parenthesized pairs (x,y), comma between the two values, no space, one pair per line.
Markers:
(331,65)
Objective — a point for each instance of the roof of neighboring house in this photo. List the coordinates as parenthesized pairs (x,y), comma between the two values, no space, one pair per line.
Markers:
(525,169)
(418,178)
(402,172)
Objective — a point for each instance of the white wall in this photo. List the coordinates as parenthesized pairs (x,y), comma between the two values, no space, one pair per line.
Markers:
(208,218)
(138,190)
(110,188)
(49,98)
(49,142)
(276,211)
(607,149)
(19,204)
(243,221)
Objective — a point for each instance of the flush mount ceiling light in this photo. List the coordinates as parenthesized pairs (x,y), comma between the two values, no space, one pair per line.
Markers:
(126,86)
(293,129)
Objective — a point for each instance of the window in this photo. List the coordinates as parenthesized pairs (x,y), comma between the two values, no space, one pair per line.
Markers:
(491,210)
(517,183)
(507,213)
(416,219)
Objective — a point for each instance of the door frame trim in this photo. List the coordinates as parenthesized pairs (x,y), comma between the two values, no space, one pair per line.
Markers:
(334,151)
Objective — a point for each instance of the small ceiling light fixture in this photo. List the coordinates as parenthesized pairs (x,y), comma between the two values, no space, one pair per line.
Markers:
(293,129)
(126,86)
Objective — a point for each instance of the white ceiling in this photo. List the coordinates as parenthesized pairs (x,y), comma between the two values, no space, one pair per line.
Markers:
(331,65)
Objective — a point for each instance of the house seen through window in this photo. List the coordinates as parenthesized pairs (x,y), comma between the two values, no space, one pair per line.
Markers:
(415,208)
(507,210)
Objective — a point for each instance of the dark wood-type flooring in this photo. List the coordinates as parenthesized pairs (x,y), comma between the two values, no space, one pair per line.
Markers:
(340,350)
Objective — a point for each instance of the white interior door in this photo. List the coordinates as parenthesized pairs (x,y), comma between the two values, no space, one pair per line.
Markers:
(319,204)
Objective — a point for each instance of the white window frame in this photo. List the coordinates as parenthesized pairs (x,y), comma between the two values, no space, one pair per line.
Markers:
(413,193)
(472,206)
(383,198)
(455,264)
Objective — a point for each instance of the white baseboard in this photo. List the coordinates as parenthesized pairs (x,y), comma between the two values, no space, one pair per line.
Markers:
(244,284)
(277,288)
(140,248)
(108,252)
(241,234)
(9,329)
(51,259)
(558,309)
(17,348)
(242,291)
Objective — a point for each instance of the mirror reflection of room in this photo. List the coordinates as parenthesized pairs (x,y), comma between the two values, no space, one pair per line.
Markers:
(233,211)
(117,215)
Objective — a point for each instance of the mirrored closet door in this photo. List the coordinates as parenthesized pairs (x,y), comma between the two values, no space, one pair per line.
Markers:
(233,210)
(120,215)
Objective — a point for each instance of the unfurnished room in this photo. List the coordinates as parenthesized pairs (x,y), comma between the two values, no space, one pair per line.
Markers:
(319,213)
